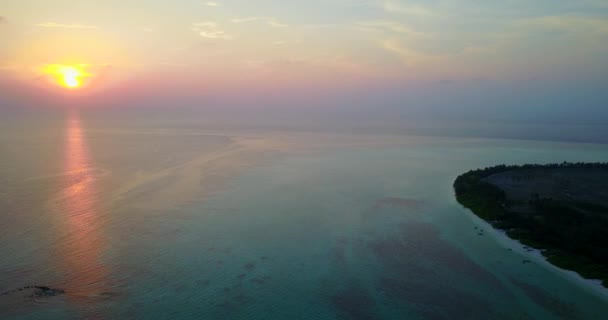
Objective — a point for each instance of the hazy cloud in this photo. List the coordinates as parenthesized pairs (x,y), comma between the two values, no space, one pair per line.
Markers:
(8,66)
(567,23)
(409,56)
(273,22)
(210,30)
(212,4)
(65,26)
(391,26)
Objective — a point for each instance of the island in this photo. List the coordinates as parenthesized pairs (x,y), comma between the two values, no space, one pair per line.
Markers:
(560,209)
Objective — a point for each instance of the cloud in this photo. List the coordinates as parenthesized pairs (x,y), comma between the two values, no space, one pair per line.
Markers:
(567,23)
(2,19)
(244,20)
(210,30)
(65,26)
(409,56)
(212,4)
(391,26)
(273,22)
(277,24)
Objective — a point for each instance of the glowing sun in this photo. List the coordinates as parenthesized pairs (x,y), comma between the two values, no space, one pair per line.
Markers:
(67,76)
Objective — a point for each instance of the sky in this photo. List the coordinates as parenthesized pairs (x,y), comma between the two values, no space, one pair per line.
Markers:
(500,60)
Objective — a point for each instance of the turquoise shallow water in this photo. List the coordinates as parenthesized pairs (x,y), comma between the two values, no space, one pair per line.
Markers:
(343,233)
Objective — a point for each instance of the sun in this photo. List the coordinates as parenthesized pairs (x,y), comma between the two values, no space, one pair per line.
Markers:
(67,76)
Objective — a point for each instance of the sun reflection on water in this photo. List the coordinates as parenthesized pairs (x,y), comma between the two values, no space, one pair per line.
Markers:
(82,245)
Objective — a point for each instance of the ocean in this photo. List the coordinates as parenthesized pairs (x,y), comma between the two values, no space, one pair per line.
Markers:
(170,222)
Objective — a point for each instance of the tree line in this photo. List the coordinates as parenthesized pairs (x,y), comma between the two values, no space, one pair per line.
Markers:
(571,234)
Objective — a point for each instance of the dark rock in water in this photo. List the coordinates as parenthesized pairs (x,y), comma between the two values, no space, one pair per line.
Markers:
(39,291)
(525,261)
(42,291)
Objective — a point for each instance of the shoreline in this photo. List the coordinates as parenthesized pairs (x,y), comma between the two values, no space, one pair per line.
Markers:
(536,255)
(540,211)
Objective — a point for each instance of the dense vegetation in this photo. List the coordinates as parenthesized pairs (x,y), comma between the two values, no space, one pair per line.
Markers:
(573,235)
